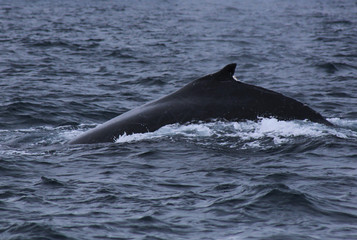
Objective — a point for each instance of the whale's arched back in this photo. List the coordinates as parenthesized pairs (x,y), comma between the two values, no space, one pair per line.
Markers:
(214,96)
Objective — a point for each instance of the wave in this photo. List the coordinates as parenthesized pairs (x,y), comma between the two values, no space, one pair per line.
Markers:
(332,67)
(267,201)
(31,230)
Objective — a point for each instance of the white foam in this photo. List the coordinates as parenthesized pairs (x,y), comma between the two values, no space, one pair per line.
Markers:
(191,130)
(70,133)
(12,152)
(247,134)
(280,131)
(262,134)
(136,137)
(347,123)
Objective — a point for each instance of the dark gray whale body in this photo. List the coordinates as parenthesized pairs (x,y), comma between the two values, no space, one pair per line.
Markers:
(215,96)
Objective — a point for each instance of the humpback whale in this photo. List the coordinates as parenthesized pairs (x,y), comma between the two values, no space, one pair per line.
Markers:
(215,96)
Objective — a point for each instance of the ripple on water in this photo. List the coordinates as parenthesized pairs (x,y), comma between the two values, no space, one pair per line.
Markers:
(32,230)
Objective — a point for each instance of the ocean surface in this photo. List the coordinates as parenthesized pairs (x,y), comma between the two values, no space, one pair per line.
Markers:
(67,66)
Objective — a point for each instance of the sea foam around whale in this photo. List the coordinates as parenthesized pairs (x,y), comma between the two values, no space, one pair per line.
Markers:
(247,134)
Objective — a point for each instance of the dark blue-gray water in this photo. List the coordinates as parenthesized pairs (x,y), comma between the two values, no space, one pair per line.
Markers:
(67,66)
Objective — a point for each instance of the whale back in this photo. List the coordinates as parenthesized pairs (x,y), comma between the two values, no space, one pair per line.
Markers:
(214,96)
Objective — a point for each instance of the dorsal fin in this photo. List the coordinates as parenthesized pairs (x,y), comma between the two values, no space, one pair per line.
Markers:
(223,75)
(226,72)
(230,68)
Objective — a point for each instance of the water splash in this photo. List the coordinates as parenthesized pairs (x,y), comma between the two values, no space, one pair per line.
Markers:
(248,134)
